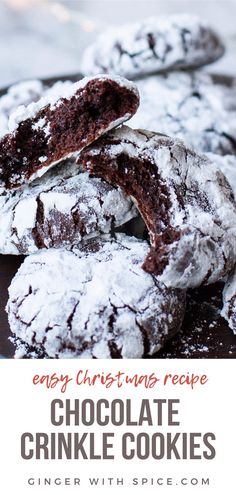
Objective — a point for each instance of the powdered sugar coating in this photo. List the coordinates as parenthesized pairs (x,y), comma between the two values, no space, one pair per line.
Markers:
(21,93)
(186,202)
(151,45)
(24,93)
(190,106)
(93,302)
(60,209)
(229,301)
(227,165)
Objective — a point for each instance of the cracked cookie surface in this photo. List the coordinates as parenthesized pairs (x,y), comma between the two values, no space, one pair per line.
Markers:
(185,201)
(192,106)
(92,302)
(152,45)
(60,209)
(60,124)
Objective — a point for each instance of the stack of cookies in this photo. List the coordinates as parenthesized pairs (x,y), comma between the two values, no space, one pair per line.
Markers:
(76,185)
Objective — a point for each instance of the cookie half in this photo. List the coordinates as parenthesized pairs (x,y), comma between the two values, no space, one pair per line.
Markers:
(185,201)
(92,302)
(59,125)
(60,209)
(152,45)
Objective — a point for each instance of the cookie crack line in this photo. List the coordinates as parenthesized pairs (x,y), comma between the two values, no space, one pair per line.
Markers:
(71,316)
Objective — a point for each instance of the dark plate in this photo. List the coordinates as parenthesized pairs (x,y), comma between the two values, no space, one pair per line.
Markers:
(204,334)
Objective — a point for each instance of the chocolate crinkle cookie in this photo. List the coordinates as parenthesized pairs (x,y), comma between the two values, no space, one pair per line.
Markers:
(191,106)
(185,201)
(62,123)
(152,45)
(92,302)
(60,209)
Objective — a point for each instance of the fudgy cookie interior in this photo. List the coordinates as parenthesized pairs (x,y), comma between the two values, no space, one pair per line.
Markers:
(151,197)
